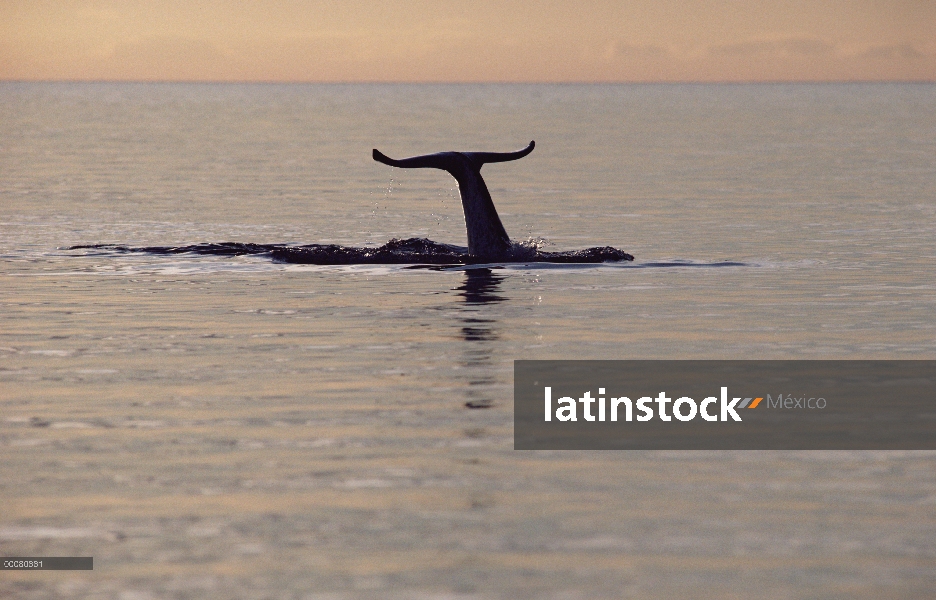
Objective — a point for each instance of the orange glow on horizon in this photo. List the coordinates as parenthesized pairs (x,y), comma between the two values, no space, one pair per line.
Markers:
(422,41)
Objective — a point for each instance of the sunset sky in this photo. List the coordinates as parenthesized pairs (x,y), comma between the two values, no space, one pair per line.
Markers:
(477,40)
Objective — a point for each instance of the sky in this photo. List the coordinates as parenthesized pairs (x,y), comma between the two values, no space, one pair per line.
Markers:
(468,40)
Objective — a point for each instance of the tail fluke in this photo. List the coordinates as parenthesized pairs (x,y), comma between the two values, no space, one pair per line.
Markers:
(481,158)
(445,160)
(440,160)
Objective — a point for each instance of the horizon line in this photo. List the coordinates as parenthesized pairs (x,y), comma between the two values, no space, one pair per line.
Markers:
(481,82)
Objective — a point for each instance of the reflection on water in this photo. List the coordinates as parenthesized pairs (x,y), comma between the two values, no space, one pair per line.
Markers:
(480,286)
(479,331)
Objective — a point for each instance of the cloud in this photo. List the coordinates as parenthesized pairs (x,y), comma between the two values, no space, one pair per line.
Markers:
(168,58)
(620,49)
(896,52)
(793,47)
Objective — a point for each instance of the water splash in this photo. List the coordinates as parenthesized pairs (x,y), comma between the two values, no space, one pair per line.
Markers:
(534,243)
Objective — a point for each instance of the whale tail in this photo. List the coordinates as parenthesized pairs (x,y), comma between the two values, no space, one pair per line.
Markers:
(486,235)
(482,158)
(445,160)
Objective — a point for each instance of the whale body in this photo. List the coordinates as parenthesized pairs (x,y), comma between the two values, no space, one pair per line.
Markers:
(487,238)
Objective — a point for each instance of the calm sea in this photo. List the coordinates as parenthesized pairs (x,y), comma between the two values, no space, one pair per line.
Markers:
(233,427)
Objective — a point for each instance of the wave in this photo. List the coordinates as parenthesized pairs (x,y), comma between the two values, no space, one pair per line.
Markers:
(409,251)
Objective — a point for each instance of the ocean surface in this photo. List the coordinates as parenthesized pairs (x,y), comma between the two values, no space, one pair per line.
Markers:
(239,427)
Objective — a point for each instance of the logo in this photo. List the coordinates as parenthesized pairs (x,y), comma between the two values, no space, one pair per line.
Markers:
(724,405)
(684,408)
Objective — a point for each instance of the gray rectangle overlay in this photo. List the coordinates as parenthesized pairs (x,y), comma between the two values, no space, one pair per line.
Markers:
(48,563)
(804,405)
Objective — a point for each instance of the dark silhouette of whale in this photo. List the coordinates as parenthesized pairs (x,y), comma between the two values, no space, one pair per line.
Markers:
(487,238)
